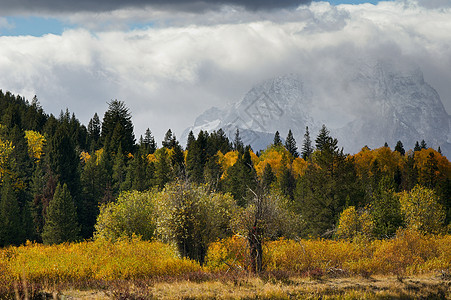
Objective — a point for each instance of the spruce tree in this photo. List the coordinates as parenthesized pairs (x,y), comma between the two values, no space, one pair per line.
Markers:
(149,142)
(307,148)
(10,220)
(290,144)
(238,143)
(423,145)
(400,148)
(417,146)
(94,128)
(61,224)
(117,128)
(277,141)
(191,139)
(167,141)
(268,177)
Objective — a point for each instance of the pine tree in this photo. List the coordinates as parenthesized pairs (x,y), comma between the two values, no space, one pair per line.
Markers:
(119,172)
(94,132)
(423,145)
(290,144)
(149,142)
(167,141)
(417,146)
(307,148)
(238,143)
(64,163)
(10,221)
(268,177)
(117,128)
(277,141)
(61,224)
(191,139)
(400,148)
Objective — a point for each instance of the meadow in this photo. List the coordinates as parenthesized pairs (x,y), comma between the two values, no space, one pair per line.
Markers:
(411,265)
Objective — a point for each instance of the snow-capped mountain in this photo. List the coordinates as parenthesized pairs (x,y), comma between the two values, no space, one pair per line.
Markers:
(372,104)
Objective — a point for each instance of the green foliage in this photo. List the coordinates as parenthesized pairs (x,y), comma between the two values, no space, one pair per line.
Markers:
(290,144)
(61,223)
(386,210)
(10,221)
(117,128)
(422,210)
(191,217)
(355,224)
(132,214)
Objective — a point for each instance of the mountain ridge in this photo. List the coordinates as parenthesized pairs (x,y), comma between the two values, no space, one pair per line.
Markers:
(375,103)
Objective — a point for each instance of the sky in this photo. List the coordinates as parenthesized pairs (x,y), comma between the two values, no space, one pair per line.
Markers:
(170,60)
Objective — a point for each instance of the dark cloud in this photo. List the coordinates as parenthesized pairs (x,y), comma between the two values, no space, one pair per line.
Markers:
(29,6)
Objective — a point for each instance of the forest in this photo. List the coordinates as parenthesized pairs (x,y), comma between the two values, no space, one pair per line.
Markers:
(66,183)
(44,160)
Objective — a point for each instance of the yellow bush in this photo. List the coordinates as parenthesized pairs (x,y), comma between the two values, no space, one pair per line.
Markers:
(99,260)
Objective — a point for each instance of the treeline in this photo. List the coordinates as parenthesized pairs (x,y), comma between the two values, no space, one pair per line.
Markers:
(56,173)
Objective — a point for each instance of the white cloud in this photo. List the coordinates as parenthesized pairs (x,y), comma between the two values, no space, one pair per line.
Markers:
(171,72)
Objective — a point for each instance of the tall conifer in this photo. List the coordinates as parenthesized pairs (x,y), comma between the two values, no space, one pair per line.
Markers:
(61,223)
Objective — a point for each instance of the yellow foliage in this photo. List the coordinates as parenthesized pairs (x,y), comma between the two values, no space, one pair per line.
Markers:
(409,253)
(85,156)
(441,168)
(299,166)
(151,158)
(36,142)
(422,210)
(227,160)
(276,157)
(98,260)
(353,223)
(388,161)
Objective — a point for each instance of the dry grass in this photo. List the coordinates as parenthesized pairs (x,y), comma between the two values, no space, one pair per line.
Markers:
(135,269)
(245,287)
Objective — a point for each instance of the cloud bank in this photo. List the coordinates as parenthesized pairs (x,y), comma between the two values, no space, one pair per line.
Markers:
(170,73)
(70,6)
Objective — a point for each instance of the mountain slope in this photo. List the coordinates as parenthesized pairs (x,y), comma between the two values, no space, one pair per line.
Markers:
(375,103)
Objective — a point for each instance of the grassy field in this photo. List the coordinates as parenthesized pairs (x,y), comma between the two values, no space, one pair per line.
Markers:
(409,266)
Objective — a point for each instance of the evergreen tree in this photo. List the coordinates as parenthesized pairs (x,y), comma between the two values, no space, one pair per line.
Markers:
(119,172)
(10,220)
(241,178)
(117,128)
(268,177)
(94,128)
(307,148)
(149,142)
(197,158)
(61,224)
(167,141)
(328,184)
(162,168)
(64,162)
(218,141)
(290,144)
(423,145)
(238,143)
(191,139)
(287,182)
(417,146)
(400,148)
(95,180)
(386,210)
(277,141)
